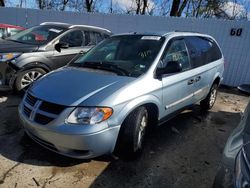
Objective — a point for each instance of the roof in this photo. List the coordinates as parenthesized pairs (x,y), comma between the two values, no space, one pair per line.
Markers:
(70,26)
(142,33)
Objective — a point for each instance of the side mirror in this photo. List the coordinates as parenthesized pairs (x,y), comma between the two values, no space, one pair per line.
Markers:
(172,67)
(61,45)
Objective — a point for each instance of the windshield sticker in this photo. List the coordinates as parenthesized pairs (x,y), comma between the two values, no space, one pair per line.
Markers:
(55,30)
(151,38)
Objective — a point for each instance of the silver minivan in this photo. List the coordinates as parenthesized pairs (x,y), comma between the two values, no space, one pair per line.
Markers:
(105,101)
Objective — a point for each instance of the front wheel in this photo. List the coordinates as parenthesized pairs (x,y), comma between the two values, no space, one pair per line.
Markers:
(132,134)
(209,101)
(26,77)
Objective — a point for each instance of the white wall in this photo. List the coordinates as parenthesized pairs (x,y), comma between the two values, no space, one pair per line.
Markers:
(236,49)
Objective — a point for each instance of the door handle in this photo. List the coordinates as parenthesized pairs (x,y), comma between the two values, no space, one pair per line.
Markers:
(197,79)
(190,81)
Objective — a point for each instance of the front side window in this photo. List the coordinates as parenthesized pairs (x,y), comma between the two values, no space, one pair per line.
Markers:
(38,35)
(176,51)
(129,55)
(73,38)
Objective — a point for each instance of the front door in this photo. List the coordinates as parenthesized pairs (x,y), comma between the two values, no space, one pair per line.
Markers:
(178,88)
(76,42)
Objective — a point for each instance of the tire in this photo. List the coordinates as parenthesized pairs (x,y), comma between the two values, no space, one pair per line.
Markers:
(26,77)
(132,134)
(209,101)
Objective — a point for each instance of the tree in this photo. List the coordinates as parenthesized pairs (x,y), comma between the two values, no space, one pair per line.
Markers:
(64,4)
(89,5)
(2,4)
(41,4)
(178,7)
(203,8)
(144,6)
(141,6)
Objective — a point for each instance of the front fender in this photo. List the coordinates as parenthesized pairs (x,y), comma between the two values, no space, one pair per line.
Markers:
(25,61)
(126,109)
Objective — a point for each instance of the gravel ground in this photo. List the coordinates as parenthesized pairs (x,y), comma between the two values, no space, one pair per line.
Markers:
(186,152)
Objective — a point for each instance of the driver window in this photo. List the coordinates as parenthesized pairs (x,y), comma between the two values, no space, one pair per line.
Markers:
(177,51)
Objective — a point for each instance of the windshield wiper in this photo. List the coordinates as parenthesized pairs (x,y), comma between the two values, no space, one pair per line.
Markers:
(103,66)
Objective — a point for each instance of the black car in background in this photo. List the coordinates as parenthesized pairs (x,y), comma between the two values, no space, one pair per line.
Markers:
(235,167)
(28,55)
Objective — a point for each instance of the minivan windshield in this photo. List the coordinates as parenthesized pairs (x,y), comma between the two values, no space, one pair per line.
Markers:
(38,35)
(126,55)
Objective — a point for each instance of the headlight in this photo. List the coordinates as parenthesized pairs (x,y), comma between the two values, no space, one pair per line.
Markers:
(89,115)
(8,56)
(241,172)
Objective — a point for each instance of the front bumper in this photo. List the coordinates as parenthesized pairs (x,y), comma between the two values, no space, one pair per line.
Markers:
(76,145)
(224,178)
(7,76)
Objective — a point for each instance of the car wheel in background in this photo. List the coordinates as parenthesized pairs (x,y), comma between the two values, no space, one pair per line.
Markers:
(26,77)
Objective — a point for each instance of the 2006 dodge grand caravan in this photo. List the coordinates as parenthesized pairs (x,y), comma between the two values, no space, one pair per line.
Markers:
(104,101)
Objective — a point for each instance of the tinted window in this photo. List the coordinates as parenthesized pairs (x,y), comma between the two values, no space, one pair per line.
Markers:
(90,38)
(99,37)
(176,51)
(202,50)
(73,38)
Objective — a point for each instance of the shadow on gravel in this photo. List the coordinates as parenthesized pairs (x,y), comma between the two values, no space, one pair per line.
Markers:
(184,153)
(16,145)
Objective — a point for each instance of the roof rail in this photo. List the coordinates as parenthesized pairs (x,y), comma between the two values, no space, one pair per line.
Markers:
(90,27)
(187,31)
(47,23)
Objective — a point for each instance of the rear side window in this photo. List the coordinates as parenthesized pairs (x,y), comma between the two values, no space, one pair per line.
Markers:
(99,37)
(73,38)
(202,50)
(93,38)
(90,38)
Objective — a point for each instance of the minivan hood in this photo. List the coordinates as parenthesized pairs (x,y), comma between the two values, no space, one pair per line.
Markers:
(11,46)
(71,86)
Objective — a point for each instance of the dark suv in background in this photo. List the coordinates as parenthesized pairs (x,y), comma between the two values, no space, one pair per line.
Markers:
(28,55)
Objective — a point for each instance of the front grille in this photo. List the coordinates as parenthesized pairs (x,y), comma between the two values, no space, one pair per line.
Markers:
(30,99)
(41,112)
(27,111)
(42,119)
(52,108)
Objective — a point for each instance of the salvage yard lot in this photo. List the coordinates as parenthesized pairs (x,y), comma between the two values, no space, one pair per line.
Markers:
(186,152)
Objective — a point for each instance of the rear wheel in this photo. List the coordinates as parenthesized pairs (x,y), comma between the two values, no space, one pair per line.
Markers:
(209,101)
(26,77)
(132,134)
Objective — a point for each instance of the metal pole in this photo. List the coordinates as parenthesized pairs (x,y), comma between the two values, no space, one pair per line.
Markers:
(26,14)
(111,6)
